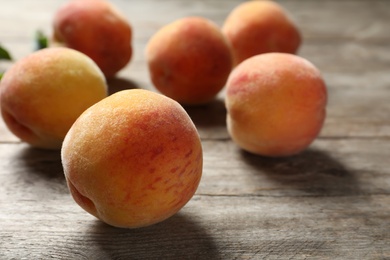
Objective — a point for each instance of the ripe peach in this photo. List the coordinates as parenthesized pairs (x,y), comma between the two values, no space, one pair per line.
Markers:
(97,29)
(189,60)
(133,159)
(42,94)
(276,104)
(260,26)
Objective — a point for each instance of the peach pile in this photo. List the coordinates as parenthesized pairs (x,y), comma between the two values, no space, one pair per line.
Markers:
(276,104)
(97,29)
(43,94)
(133,159)
(189,60)
(260,26)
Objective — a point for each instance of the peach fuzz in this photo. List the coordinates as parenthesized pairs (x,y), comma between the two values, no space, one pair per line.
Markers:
(276,104)
(97,29)
(42,94)
(189,60)
(260,26)
(133,159)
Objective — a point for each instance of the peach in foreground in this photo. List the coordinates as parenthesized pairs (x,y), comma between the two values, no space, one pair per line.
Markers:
(133,159)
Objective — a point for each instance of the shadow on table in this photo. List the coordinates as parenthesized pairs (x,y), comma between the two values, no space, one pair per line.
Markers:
(311,172)
(178,237)
(208,115)
(43,167)
(117,84)
(46,163)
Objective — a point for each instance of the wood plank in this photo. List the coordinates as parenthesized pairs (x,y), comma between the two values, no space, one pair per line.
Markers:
(356,20)
(330,202)
(207,228)
(330,167)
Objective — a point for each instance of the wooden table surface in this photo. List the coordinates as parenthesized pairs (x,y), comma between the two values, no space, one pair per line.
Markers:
(332,201)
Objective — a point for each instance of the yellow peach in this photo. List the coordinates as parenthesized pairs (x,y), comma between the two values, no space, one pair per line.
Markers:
(189,60)
(260,26)
(97,29)
(42,94)
(276,104)
(133,159)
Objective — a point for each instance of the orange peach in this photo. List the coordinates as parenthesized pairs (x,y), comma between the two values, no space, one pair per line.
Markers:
(42,94)
(260,26)
(97,29)
(133,159)
(189,60)
(276,104)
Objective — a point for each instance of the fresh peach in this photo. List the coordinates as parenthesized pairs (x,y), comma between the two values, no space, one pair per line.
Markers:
(133,159)
(276,104)
(189,60)
(97,29)
(42,94)
(260,26)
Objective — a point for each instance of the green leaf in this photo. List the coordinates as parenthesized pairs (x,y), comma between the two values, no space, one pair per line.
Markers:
(1,75)
(40,40)
(4,54)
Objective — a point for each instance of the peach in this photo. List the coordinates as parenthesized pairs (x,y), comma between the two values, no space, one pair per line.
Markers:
(97,29)
(189,60)
(133,159)
(260,26)
(42,94)
(276,104)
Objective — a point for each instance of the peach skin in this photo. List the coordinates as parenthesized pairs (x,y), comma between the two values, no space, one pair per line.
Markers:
(276,104)
(189,60)
(97,29)
(133,159)
(260,26)
(42,94)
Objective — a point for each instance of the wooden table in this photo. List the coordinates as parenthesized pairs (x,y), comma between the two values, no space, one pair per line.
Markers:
(332,201)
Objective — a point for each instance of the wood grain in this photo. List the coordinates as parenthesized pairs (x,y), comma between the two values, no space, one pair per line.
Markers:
(332,201)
